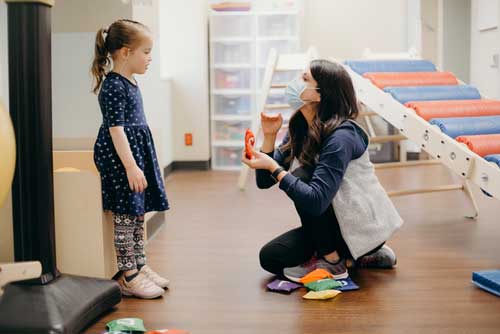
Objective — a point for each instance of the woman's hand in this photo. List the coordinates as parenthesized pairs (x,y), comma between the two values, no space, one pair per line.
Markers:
(260,161)
(136,179)
(271,124)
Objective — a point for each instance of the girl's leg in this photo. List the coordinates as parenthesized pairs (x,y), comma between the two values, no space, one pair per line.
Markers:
(124,226)
(140,255)
(287,250)
(133,283)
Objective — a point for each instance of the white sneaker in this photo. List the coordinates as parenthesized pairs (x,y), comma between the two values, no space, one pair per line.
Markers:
(153,276)
(141,287)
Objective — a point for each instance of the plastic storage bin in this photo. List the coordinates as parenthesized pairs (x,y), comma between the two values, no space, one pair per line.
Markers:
(278,77)
(232,52)
(283,46)
(240,105)
(232,26)
(233,79)
(227,157)
(231,130)
(281,25)
(271,5)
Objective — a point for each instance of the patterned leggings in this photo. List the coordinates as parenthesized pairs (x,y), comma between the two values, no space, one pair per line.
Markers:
(129,241)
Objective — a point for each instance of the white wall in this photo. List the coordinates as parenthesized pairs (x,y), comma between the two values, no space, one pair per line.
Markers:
(343,29)
(184,45)
(456,37)
(484,44)
(75,109)
(6,232)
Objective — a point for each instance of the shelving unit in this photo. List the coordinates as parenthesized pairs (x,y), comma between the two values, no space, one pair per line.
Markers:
(239,46)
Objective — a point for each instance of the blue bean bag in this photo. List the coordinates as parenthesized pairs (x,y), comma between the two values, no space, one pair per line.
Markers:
(397,65)
(488,280)
(466,126)
(433,93)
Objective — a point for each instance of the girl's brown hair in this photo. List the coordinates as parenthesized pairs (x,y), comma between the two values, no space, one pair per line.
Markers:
(338,103)
(121,33)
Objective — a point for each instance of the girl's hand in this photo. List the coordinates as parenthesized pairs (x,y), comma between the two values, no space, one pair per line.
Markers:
(271,124)
(136,179)
(260,161)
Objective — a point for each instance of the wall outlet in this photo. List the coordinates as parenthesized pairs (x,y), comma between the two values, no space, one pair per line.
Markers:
(188,139)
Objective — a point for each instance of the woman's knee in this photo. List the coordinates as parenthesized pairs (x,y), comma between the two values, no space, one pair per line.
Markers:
(269,256)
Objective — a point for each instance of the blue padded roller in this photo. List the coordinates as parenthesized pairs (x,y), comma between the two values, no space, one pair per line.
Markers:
(397,65)
(466,126)
(433,93)
(493,158)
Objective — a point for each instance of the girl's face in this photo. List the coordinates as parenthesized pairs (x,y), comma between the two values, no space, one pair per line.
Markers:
(310,94)
(138,59)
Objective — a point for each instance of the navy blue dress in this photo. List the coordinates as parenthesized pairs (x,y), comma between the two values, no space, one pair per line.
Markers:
(121,105)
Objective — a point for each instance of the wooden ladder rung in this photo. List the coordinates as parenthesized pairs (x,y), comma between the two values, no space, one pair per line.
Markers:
(450,187)
(387,139)
(277,106)
(416,163)
(367,113)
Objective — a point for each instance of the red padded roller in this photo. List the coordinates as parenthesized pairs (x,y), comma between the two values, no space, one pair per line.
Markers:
(390,79)
(456,108)
(482,145)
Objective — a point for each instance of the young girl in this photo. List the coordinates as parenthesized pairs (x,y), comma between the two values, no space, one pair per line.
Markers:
(323,166)
(124,151)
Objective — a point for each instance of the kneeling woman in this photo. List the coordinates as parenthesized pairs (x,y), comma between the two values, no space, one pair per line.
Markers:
(323,165)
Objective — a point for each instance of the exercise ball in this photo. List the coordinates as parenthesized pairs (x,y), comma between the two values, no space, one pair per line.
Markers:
(7,153)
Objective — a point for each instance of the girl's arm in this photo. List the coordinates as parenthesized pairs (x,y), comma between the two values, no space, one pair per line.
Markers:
(135,175)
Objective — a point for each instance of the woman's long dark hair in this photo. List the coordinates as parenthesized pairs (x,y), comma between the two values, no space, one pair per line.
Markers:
(338,103)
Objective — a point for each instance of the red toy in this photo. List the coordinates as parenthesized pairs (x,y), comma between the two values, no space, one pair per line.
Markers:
(249,143)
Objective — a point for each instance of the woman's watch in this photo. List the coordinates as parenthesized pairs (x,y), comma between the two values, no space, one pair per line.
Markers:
(277,172)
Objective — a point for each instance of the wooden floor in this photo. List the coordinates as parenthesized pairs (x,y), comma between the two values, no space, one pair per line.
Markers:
(209,250)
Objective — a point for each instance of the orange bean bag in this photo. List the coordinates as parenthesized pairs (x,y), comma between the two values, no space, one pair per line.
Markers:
(482,145)
(455,108)
(399,79)
(315,275)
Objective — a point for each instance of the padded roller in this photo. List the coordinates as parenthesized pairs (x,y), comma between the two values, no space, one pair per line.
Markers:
(433,93)
(396,65)
(382,80)
(467,126)
(482,145)
(493,158)
(457,108)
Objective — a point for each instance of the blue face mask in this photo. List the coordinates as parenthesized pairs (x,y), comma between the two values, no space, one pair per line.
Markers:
(293,91)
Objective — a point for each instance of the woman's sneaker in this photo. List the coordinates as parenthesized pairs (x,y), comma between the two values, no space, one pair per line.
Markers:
(153,276)
(384,258)
(338,270)
(141,287)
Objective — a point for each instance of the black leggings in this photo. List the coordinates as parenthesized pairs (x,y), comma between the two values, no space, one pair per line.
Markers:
(318,235)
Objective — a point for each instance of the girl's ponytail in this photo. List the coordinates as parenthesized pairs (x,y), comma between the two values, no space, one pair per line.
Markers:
(101,59)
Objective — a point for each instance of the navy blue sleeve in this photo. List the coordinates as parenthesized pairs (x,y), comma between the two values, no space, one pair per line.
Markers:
(344,145)
(113,101)
(263,176)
